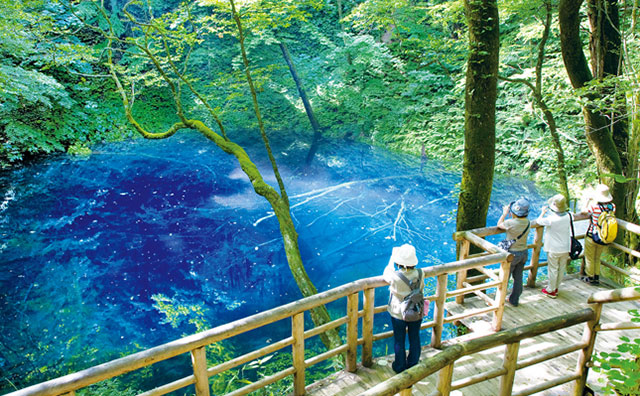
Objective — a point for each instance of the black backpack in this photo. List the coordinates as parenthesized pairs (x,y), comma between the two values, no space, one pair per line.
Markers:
(413,304)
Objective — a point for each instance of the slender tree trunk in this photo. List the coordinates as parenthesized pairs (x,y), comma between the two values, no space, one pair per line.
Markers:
(317,134)
(548,115)
(480,106)
(280,205)
(557,146)
(542,105)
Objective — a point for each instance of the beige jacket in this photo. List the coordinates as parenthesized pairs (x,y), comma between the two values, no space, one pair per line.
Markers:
(398,290)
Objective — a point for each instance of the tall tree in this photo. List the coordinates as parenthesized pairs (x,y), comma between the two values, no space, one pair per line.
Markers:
(480,113)
(305,102)
(605,53)
(541,103)
(165,43)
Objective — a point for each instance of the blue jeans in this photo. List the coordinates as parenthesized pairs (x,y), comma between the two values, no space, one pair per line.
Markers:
(516,270)
(400,330)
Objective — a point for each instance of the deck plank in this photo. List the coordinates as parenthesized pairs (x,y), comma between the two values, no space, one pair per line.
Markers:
(534,306)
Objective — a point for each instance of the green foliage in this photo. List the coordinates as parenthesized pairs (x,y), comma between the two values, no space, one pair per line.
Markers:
(110,387)
(376,15)
(405,93)
(48,102)
(176,312)
(622,368)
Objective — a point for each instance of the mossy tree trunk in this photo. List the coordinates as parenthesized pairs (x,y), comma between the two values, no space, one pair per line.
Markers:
(599,133)
(287,229)
(605,45)
(480,108)
(278,200)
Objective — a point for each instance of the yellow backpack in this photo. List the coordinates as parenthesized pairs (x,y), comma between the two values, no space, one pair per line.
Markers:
(607,228)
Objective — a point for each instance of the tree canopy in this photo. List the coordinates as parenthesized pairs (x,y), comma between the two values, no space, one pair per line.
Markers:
(546,89)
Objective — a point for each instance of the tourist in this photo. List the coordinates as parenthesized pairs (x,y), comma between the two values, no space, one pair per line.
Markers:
(557,241)
(403,261)
(601,200)
(517,228)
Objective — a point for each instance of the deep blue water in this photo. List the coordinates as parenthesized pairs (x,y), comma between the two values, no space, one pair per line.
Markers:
(87,241)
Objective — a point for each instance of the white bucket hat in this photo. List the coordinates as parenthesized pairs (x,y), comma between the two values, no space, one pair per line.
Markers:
(602,194)
(558,203)
(404,255)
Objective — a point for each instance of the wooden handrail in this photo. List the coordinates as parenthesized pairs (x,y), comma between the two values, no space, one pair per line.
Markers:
(149,356)
(445,360)
(617,295)
(454,352)
(196,343)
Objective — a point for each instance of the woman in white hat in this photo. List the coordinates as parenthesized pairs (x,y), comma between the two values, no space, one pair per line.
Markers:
(600,201)
(403,261)
(557,241)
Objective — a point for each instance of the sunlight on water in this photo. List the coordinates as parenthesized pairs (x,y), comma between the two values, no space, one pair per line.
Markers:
(86,242)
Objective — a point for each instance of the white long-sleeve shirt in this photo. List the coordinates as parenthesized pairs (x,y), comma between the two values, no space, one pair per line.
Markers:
(557,234)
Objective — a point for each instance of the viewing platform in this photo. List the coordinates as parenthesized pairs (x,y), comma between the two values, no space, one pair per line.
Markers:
(543,346)
(533,307)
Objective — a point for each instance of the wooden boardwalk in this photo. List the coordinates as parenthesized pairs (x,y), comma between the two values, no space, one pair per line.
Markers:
(533,307)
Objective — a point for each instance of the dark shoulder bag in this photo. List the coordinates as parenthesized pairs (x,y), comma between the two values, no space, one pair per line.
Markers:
(576,247)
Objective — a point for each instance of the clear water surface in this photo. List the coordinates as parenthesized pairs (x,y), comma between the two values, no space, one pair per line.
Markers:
(85,242)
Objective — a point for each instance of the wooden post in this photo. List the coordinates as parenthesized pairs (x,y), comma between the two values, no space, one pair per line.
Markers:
(501,295)
(297,351)
(535,257)
(462,275)
(352,333)
(199,361)
(510,363)
(444,380)
(367,327)
(438,312)
(588,337)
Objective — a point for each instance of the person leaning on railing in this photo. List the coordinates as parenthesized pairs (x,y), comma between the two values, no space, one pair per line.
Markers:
(601,200)
(557,241)
(405,259)
(516,228)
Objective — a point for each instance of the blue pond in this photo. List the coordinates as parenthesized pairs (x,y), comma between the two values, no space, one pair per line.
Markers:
(87,241)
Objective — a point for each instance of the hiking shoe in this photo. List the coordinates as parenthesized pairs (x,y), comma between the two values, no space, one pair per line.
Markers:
(547,293)
(595,280)
(586,279)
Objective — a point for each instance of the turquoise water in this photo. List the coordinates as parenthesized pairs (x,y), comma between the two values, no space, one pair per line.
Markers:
(87,241)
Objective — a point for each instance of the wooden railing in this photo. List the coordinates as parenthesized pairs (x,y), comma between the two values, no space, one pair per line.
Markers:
(357,322)
(196,344)
(444,361)
(475,236)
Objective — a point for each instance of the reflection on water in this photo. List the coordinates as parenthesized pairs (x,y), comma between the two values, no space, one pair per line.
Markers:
(86,242)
